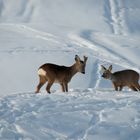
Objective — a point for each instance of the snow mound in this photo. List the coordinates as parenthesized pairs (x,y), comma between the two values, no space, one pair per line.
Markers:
(80,114)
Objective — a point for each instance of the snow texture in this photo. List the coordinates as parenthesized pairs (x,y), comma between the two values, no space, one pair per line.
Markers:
(34,32)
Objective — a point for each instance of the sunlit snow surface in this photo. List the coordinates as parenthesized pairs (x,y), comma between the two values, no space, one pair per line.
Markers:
(80,114)
(40,31)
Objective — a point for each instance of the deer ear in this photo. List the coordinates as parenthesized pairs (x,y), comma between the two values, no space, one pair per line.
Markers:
(110,68)
(103,68)
(77,58)
(85,58)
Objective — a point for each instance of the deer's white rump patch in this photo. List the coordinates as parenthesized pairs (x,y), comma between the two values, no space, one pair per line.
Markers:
(41,72)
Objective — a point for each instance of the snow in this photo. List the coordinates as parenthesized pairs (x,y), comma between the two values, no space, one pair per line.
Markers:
(80,114)
(36,32)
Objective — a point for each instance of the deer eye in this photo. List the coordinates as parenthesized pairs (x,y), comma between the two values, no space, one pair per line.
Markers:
(81,62)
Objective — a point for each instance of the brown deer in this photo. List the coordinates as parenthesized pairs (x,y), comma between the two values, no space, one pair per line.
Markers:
(59,74)
(122,78)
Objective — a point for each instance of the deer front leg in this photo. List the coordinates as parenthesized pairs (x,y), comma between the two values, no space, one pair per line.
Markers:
(66,87)
(62,87)
(115,86)
(121,87)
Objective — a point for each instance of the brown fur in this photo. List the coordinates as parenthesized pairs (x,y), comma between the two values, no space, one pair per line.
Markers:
(60,74)
(122,78)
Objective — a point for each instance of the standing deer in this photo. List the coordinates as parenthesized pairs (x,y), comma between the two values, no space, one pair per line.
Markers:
(59,74)
(122,78)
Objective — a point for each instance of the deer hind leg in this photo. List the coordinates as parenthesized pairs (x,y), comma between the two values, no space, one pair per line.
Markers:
(42,81)
(50,83)
(137,86)
(133,88)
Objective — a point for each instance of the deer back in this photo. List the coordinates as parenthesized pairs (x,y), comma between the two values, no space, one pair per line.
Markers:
(125,77)
(61,74)
(55,72)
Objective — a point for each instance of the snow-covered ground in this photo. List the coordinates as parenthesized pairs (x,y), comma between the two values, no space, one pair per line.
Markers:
(39,31)
(79,115)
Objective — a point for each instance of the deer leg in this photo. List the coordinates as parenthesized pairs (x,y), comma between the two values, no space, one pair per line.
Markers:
(42,81)
(121,87)
(133,88)
(62,87)
(49,86)
(66,87)
(115,86)
(38,87)
(137,86)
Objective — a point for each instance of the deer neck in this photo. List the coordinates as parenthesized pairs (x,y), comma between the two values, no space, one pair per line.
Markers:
(112,78)
(73,69)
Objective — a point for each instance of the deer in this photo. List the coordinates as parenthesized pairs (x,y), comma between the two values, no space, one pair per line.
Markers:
(53,73)
(122,78)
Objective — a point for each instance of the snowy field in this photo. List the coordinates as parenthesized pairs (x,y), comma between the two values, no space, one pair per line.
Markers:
(34,32)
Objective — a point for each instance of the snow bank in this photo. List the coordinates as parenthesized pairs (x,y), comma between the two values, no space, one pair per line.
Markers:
(79,115)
